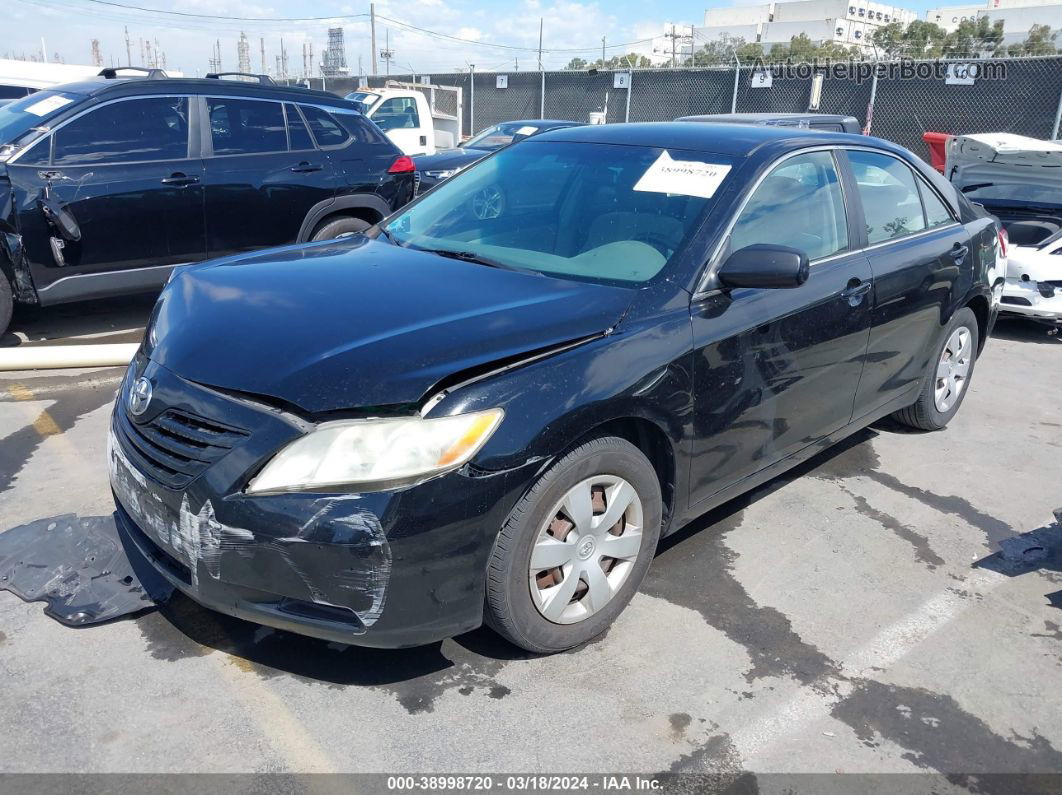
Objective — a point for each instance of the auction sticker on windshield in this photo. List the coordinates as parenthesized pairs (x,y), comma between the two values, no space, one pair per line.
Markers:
(47,105)
(682,177)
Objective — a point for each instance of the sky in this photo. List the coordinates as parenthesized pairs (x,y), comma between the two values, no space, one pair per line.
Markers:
(505,32)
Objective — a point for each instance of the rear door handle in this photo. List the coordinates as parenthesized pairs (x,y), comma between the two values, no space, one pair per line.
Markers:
(959,252)
(180,179)
(855,291)
(306,168)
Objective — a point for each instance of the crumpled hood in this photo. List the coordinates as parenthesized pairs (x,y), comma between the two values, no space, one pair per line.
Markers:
(360,323)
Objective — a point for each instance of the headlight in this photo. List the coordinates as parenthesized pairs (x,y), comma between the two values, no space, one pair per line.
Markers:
(377,454)
(444,174)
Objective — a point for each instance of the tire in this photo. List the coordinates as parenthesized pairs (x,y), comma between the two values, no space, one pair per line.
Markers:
(7,303)
(512,610)
(928,413)
(343,225)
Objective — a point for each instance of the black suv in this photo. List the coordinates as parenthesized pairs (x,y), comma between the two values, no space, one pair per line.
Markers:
(106,185)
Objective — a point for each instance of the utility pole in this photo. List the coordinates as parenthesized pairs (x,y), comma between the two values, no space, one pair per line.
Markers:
(540,44)
(387,53)
(372,29)
(672,45)
(261,44)
(602,52)
(97,59)
(128,55)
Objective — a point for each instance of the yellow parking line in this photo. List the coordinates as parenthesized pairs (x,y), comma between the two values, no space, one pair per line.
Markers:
(282,728)
(44,424)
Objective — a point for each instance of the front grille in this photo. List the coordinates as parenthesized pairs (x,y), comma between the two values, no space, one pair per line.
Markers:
(176,446)
(1015,300)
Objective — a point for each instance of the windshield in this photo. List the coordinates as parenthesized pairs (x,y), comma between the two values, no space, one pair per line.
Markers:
(494,138)
(597,212)
(23,115)
(364,99)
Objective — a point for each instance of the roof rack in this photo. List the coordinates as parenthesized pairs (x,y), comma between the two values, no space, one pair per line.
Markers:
(264,80)
(111,73)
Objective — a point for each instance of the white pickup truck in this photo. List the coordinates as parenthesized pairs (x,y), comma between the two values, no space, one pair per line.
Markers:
(420,118)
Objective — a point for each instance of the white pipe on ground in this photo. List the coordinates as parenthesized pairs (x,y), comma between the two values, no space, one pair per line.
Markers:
(52,357)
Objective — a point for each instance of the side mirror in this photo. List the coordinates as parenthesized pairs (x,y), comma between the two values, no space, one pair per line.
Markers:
(766,266)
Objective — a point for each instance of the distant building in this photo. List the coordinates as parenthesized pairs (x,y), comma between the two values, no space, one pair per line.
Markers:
(850,23)
(335,56)
(1018,16)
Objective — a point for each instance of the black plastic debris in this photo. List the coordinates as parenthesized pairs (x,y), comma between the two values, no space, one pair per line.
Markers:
(78,566)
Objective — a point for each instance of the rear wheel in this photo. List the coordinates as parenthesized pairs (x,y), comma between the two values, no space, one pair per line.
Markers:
(344,225)
(7,303)
(575,548)
(947,381)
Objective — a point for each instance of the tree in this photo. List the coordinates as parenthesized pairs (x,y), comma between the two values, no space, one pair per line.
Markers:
(920,39)
(576,63)
(1040,41)
(974,38)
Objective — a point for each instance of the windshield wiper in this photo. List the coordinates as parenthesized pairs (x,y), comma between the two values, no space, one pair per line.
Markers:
(976,186)
(389,235)
(471,256)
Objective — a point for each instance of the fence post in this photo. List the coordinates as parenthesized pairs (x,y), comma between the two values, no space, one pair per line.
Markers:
(1058,118)
(471,99)
(542,97)
(873,96)
(737,77)
(630,88)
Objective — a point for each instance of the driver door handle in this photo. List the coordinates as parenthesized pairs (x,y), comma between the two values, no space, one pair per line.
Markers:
(855,291)
(306,168)
(177,178)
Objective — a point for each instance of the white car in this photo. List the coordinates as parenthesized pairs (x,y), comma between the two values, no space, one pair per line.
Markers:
(1034,280)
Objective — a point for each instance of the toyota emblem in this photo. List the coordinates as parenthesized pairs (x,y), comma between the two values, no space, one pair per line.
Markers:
(139,397)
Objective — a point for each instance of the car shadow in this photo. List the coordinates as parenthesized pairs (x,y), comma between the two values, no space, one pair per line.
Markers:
(1018,329)
(1036,550)
(107,320)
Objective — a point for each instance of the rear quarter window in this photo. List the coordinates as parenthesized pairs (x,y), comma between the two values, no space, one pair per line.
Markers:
(325,127)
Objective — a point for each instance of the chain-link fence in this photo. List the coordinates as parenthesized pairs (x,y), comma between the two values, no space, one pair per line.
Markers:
(898,100)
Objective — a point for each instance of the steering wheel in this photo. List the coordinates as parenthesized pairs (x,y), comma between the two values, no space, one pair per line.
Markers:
(488,203)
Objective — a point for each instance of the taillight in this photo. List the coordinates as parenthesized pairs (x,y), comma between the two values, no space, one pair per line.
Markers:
(402,165)
(1003,241)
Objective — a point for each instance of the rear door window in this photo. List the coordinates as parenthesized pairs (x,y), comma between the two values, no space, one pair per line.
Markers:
(246,126)
(892,206)
(129,131)
(298,136)
(937,213)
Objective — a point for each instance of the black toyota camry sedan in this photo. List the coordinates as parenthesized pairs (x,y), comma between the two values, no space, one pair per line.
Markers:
(490,407)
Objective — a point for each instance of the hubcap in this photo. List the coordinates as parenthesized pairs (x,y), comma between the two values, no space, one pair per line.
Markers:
(585,549)
(953,368)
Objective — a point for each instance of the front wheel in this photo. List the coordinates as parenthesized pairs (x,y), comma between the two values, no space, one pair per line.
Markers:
(575,548)
(948,378)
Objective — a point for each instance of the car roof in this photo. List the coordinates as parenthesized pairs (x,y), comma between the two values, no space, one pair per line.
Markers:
(100,86)
(758,117)
(723,139)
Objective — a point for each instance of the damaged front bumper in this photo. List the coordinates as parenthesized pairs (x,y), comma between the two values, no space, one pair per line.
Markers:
(388,569)
(1040,300)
